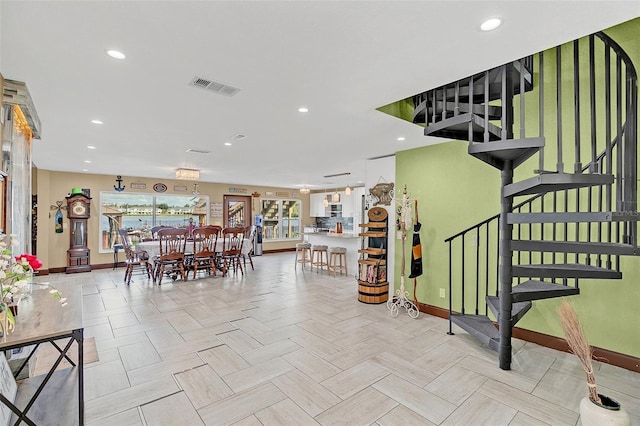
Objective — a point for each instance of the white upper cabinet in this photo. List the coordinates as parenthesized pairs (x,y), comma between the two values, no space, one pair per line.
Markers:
(317,209)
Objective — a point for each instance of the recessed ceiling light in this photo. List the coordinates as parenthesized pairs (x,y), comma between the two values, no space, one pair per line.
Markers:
(490,24)
(97,121)
(91,147)
(116,54)
(227,143)
(401,138)
(85,170)
(303,109)
(87,161)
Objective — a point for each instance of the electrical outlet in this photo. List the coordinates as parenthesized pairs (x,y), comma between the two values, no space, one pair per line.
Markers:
(442,293)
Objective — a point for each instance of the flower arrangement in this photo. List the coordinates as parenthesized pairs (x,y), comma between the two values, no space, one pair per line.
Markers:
(15,274)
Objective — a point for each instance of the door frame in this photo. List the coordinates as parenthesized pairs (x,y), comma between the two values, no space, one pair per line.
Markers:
(246,199)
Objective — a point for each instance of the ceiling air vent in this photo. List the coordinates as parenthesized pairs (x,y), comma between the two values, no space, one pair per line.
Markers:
(198,151)
(214,86)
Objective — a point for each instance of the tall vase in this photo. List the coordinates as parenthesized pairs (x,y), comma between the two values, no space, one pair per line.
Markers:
(609,413)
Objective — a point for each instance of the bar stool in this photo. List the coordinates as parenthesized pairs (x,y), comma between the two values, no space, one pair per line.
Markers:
(319,257)
(305,254)
(338,260)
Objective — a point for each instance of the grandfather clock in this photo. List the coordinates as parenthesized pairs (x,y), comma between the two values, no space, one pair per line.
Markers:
(78,212)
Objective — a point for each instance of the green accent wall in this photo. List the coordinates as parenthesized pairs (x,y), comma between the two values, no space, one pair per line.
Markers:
(455,191)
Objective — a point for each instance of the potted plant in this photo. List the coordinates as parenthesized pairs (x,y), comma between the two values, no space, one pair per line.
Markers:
(595,409)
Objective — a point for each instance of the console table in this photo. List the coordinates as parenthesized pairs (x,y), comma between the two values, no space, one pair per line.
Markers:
(41,319)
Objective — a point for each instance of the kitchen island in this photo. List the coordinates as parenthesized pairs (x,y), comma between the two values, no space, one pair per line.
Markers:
(348,240)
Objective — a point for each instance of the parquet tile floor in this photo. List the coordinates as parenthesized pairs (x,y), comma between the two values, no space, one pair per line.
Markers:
(277,346)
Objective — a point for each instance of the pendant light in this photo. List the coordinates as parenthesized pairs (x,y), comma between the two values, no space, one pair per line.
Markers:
(347,191)
(325,202)
(336,197)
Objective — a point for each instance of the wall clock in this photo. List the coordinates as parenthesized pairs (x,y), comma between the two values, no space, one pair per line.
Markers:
(160,187)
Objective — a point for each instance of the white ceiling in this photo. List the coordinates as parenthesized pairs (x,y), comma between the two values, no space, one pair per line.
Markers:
(341,59)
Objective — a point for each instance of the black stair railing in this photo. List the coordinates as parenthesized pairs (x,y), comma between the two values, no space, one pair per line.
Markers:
(607,147)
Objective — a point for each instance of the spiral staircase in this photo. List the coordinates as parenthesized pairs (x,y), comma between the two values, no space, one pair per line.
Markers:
(568,114)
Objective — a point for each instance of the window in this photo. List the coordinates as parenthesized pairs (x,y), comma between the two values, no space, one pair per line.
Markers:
(281,219)
(138,213)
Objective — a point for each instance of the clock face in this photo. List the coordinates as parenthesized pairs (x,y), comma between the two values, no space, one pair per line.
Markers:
(79,208)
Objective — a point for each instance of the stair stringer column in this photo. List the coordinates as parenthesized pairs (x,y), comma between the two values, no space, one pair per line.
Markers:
(506,270)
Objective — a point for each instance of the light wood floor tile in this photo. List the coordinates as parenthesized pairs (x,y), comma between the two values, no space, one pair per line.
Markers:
(209,330)
(351,338)
(251,326)
(254,375)
(481,410)
(138,355)
(123,320)
(311,365)
(353,380)
(248,421)
(354,355)
(191,346)
(315,344)
(103,379)
(130,417)
(203,386)
(241,405)
(488,369)
(223,360)
(99,331)
(277,335)
(402,416)
(402,368)
(618,378)
(117,342)
(171,410)
(456,384)
(287,320)
(562,389)
(164,369)
(141,327)
(522,419)
(319,329)
(363,408)
(285,413)
(123,400)
(423,402)
(266,353)
(439,359)
(239,341)
(529,404)
(184,323)
(164,336)
(312,397)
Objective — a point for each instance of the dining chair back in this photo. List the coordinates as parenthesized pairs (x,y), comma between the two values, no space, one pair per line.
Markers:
(135,261)
(250,231)
(205,240)
(173,243)
(232,250)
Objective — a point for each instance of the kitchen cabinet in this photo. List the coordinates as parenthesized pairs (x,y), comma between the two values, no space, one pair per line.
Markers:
(316,208)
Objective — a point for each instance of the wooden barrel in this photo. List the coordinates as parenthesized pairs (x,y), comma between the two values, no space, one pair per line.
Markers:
(373,293)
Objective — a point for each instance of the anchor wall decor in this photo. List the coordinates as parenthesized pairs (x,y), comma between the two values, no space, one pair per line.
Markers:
(120,187)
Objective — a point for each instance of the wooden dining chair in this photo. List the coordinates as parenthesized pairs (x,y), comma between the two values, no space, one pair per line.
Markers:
(250,231)
(232,249)
(205,240)
(135,261)
(173,244)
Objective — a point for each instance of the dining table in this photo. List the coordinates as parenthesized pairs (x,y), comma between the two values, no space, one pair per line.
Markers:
(153,247)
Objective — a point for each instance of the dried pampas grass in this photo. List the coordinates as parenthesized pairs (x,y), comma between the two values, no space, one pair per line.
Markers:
(578,345)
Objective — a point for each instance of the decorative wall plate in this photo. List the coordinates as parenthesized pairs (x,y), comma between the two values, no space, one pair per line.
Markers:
(160,187)
(377,214)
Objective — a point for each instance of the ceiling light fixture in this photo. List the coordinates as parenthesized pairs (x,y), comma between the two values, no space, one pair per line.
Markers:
(116,54)
(97,121)
(91,147)
(490,24)
(401,138)
(325,202)
(304,190)
(87,161)
(335,197)
(227,143)
(347,191)
(303,109)
(187,174)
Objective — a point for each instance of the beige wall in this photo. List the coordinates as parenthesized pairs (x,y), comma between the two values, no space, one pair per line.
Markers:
(53,186)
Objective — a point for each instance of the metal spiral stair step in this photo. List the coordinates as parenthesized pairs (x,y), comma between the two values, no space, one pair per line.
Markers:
(518,310)
(540,290)
(550,182)
(515,150)
(574,247)
(457,127)
(578,217)
(426,106)
(480,327)
(569,270)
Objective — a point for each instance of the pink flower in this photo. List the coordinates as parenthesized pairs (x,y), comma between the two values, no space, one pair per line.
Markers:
(32,260)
